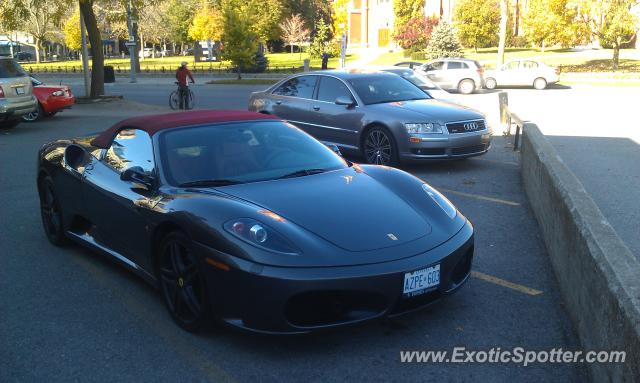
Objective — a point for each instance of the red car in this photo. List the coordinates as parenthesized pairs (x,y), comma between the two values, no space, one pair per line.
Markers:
(51,100)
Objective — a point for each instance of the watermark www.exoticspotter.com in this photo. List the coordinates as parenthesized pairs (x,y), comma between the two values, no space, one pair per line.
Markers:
(517,355)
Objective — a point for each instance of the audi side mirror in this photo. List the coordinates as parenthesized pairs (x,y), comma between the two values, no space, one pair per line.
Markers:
(346,101)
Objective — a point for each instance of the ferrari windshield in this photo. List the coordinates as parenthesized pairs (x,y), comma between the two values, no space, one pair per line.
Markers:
(240,152)
(382,88)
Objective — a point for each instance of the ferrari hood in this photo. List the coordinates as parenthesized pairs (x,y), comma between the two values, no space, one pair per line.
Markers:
(351,210)
(428,110)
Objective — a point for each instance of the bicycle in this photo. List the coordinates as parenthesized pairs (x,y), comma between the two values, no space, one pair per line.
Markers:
(174,98)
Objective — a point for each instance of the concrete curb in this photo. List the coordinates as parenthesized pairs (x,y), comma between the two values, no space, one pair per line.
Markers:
(599,278)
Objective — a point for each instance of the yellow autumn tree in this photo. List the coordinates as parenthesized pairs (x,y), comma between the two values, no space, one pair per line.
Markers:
(71,30)
(207,24)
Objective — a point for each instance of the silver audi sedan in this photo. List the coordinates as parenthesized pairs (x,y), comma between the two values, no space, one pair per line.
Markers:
(379,115)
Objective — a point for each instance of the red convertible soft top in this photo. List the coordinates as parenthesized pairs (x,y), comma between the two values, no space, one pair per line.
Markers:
(157,122)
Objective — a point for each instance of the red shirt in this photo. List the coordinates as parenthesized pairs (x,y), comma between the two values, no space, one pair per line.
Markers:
(181,76)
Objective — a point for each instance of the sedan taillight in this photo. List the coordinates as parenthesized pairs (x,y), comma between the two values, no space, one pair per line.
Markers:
(1,92)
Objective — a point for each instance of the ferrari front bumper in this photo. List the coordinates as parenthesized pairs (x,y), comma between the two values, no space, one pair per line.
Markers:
(299,300)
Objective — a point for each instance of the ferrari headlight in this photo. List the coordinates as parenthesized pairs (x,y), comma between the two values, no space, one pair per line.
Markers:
(57,93)
(422,128)
(260,235)
(441,200)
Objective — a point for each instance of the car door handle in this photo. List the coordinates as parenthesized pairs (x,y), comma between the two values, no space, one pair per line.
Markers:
(316,108)
(278,102)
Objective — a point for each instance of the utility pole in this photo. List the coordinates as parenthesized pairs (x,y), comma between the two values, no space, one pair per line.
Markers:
(131,44)
(85,56)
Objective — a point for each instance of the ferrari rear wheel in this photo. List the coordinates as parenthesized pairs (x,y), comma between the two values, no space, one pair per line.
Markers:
(51,213)
(182,283)
(37,114)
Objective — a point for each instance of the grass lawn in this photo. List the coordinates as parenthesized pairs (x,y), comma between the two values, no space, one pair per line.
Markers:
(591,60)
(279,61)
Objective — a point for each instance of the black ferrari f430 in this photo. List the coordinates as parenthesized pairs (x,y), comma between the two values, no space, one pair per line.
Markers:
(243,217)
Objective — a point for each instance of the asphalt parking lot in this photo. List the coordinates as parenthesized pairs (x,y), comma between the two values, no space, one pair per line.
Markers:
(67,314)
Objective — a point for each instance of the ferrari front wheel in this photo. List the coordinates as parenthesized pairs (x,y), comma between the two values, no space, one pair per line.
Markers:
(51,213)
(182,283)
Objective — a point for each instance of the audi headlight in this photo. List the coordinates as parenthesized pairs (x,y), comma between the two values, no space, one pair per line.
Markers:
(422,128)
(441,200)
(57,93)
(260,235)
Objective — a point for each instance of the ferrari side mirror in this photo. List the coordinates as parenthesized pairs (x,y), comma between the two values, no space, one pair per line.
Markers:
(138,175)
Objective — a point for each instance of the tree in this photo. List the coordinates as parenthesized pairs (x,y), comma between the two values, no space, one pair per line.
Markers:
(477,22)
(208,23)
(71,30)
(617,26)
(95,39)
(153,26)
(38,18)
(319,43)
(504,16)
(310,10)
(179,15)
(294,31)
(415,35)
(549,22)
(239,41)
(263,16)
(444,42)
(339,13)
(405,10)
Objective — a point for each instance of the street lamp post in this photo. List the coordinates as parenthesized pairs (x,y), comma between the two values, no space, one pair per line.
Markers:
(131,44)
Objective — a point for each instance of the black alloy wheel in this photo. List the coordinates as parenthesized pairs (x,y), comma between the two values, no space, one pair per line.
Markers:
(51,213)
(182,283)
(379,147)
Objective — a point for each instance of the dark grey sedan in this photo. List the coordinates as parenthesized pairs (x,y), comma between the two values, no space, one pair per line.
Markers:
(377,114)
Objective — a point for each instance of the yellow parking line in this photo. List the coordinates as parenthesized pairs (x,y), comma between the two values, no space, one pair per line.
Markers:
(481,197)
(507,284)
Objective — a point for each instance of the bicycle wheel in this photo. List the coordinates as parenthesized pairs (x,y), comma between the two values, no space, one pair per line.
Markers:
(174,100)
(192,99)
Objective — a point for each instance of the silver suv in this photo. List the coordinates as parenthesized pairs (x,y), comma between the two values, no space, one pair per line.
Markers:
(16,93)
(464,75)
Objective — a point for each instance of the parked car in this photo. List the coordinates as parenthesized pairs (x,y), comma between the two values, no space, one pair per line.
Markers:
(409,64)
(522,73)
(16,93)
(252,239)
(23,56)
(462,75)
(421,81)
(51,100)
(377,114)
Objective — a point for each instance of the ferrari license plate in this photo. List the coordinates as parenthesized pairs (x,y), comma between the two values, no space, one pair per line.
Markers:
(420,281)
(20,90)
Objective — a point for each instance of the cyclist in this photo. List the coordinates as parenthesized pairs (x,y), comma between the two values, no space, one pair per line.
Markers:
(183,89)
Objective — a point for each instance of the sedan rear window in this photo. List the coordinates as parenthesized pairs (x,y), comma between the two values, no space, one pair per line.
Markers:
(380,89)
(10,68)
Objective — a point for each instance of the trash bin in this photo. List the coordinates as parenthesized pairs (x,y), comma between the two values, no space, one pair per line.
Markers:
(109,74)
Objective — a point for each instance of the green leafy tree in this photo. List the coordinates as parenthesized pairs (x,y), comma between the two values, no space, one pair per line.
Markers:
(320,39)
(477,22)
(443,42)
(239,41)
(415,35)
(612,22)
(405,10)
(179,15)
(263,16)
(310,10)
(39,18)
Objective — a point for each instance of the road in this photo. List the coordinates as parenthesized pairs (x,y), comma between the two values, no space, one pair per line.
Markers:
(68,314)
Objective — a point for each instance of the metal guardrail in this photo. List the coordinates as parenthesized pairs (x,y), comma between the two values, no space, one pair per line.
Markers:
(507,118)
